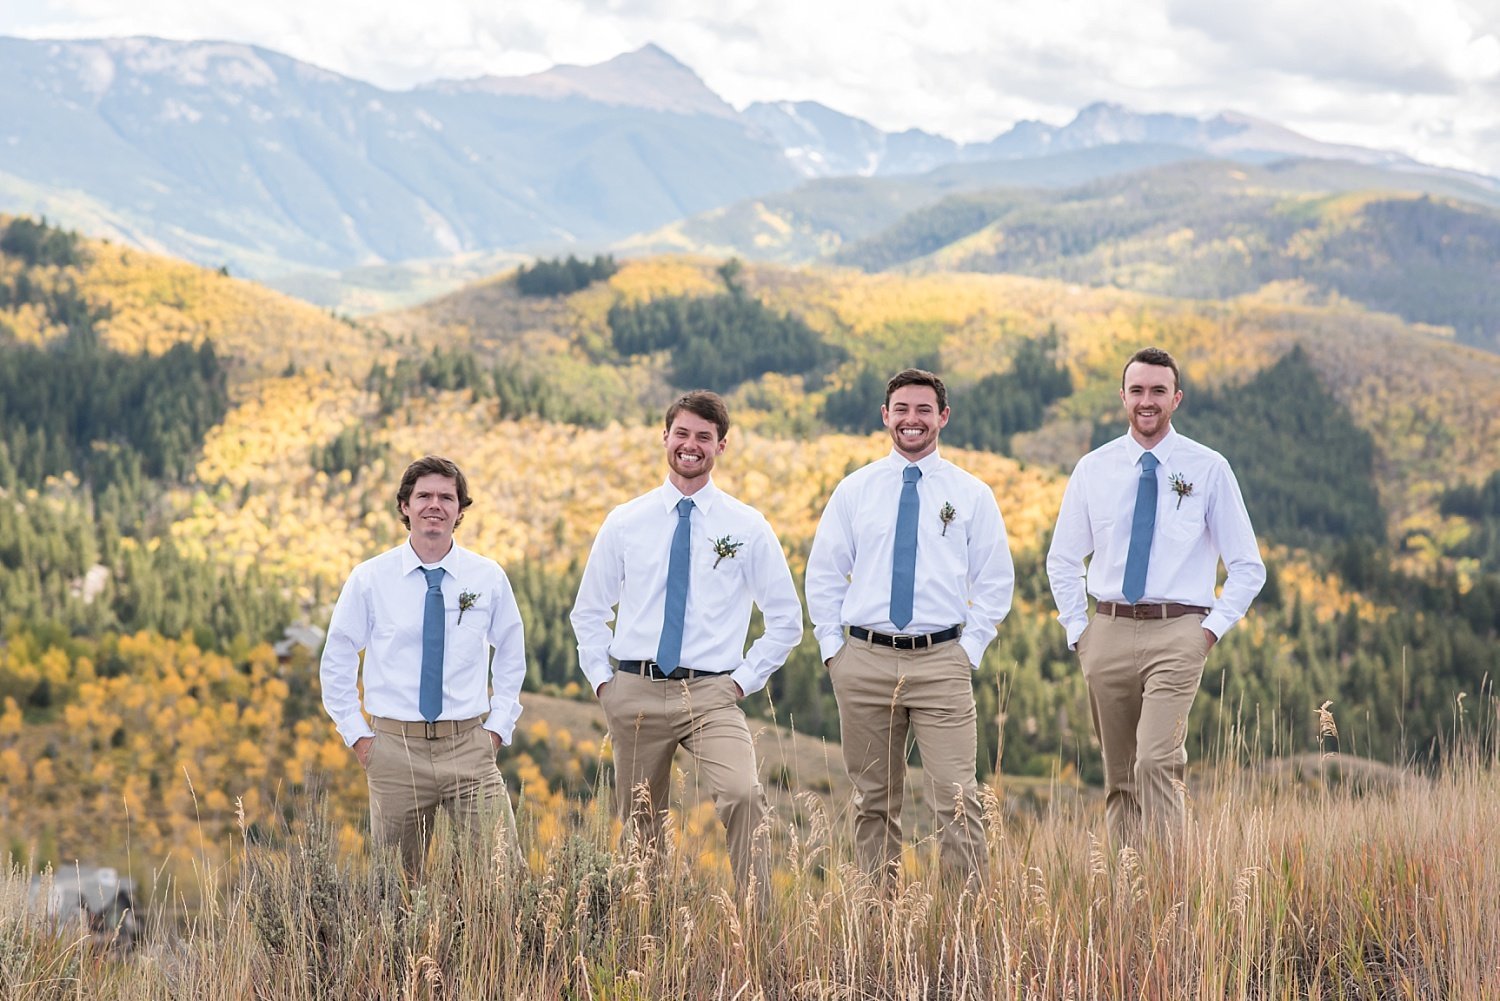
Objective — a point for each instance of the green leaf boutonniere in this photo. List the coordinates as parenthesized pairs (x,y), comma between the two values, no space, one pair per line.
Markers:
(946,515)
(725,548)
(466,601)
(1180,486)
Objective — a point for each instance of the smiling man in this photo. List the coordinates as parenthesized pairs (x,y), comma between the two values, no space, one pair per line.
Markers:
(1157,511)
(426,614)
(684,562)
(911,559)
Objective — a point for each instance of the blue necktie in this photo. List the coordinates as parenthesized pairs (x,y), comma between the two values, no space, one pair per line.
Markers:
(679,568)
(1141,527)
(430,695)
(904,559)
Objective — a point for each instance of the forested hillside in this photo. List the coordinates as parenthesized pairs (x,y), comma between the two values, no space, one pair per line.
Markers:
(240,452)
(1215,230)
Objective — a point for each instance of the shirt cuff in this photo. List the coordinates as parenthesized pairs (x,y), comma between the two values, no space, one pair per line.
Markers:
(598,674)
(1218,623)
(831,645)
(354,729)
(502,720)
(1075,629)
(746,679)
(974,656)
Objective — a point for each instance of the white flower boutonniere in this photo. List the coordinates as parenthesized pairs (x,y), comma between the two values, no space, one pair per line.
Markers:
(725,548)
(946,515)
(466,600)
(1180,486)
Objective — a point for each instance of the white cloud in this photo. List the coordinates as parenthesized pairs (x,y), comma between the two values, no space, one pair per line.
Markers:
(1420,76)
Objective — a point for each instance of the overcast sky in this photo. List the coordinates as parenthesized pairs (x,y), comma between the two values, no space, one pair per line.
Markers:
(1418,76)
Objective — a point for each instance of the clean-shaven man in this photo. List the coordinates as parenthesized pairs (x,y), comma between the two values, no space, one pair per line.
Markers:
(427,614)
(1157,511)
(684,562)
(908,579)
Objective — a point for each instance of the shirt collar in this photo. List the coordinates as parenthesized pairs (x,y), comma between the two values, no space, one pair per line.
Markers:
(1162,449)
(703,500)
(928,464)
(452,563)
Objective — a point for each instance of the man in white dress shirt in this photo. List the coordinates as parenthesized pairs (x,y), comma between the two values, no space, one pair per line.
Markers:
(1157,511)
(684,562)
(911,558)
(426,615)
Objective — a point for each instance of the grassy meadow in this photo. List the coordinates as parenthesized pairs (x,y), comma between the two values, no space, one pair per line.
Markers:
(1298,878)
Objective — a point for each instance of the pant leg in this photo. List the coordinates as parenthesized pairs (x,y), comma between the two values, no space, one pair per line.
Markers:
(404,794)
(474,792)
(636,710)
(1174,651)
(873,726)
(715,733)
(939,697)
(1107,653)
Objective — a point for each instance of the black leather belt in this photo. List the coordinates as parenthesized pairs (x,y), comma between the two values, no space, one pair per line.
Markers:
(903,642)
(1169,610)
(649,669)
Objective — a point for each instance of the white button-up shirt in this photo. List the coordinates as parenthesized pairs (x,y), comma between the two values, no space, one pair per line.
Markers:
(628,566)
(380,611)
(1196,524)
(964,573)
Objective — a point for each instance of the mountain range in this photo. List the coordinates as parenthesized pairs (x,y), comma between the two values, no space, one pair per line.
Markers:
(228,154)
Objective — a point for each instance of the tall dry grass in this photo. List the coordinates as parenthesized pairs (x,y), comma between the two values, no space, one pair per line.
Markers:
(1282,889)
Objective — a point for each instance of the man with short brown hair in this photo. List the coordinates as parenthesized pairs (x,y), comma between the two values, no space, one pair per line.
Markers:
(911,558)
(684,562)
(427,614)
(1156,511)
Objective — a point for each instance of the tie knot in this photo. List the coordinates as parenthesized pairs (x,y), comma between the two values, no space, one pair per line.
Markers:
(684,507)
(911,474)
(434,577)
(1149,462)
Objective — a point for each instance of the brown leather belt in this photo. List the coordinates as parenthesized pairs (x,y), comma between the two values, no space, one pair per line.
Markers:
(1169,610)
(436,730)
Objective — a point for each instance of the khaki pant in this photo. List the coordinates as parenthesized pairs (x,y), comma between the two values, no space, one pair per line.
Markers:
(648,721)
(883,695)
(1142,677)
(410,776)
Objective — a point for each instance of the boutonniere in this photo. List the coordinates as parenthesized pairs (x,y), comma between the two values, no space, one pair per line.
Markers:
(1180,486)
(946,515)
(725,548)
(466,601)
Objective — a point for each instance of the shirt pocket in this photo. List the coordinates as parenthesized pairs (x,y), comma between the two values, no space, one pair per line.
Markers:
(1184,521)
(719,582)
(473,618)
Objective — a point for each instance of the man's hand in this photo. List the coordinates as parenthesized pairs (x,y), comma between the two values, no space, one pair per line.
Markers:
(739,692)
(599,692)
(494,739)
(362,749)
(1212,639)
